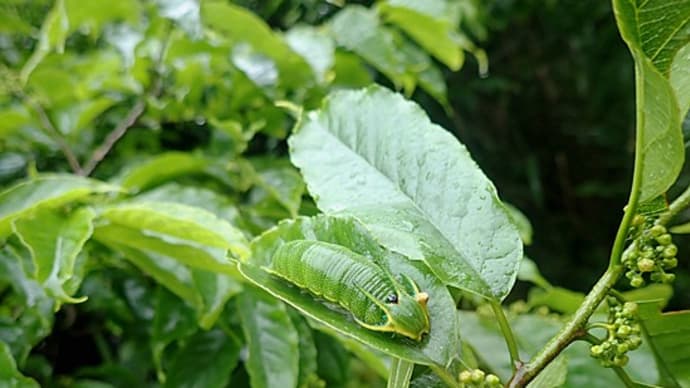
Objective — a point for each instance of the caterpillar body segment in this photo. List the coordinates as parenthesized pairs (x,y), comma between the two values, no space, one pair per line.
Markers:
(374,297)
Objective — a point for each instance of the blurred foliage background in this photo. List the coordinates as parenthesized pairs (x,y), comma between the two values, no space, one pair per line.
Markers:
(551,123)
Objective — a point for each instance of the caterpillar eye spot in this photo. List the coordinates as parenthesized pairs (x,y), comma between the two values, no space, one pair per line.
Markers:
(392,299)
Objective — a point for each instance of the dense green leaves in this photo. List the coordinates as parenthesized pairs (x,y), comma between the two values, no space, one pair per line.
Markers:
(413,184)
(206,360)
(439,347)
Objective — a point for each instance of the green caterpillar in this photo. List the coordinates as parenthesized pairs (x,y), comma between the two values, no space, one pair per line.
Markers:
(376,300)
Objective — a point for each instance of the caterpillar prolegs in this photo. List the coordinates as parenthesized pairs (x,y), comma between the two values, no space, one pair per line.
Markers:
(376,299)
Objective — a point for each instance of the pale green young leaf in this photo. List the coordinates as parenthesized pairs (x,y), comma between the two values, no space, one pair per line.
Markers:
(524,226)
(178,224)
(358,29)
(272,340)
(680,79)
(54,239)
(160,169)
(45,191)
(54,31)
(372,154)
(529,272)
(439,347)
(437,35)
(316,47)
(195,256)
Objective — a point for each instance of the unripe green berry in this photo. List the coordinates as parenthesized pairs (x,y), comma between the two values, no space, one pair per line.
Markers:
(623,331)
(630,274)
(620,360)
(659,248)
(629,255)
(477,375)
(669,263)
(647,253)
(637,281)
(670,251)
(465,377)
(635,328)
(668,278)
(638,220)
(596,350)
(657,230)
(630,308)
(634,342)
(622,348)
(645,265)
(664,239)
(492,380)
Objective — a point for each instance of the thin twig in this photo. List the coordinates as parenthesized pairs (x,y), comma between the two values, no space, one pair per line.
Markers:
(50,129)
(112,138)
(132,116)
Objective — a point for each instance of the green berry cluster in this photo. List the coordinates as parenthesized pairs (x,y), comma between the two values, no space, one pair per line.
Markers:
(653,253)
(623,334)
(476,378)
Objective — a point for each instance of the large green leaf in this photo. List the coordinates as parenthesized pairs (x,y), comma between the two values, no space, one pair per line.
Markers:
(655,31)
(9,375)
(669,335)
(54,240)
(45,191)
(372,154)
(206,360)
(439,347)
(272,341)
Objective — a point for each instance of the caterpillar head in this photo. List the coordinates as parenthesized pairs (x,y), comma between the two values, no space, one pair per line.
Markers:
(405,311)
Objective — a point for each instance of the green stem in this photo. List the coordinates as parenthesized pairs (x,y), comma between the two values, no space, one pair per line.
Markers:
(507,333)
(401,371)
(573,329)
(630,209)
(678,205)
(447,378)
(620,372)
